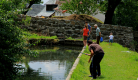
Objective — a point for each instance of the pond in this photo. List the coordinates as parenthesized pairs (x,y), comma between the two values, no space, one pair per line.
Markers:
(52,63)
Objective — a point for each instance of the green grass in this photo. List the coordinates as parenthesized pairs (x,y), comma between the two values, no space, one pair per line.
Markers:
(116,65)
(29,35)
(70,38)
(47,50)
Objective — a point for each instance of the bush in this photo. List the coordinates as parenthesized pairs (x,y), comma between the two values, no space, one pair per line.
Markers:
(12,44)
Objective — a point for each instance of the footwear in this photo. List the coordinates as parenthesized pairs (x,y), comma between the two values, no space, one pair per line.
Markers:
(98,75)
(90,76)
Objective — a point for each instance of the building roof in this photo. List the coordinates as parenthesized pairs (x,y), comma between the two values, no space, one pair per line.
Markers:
(40,10)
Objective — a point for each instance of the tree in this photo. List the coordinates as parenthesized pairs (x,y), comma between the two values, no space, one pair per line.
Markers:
(109,6)
(126,14)
(12,43)
(31,2)
(80,6)
(112,4)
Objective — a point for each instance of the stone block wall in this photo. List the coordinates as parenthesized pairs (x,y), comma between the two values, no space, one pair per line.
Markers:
(136,39)
(71,28)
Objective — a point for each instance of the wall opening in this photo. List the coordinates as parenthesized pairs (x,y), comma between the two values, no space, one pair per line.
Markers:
(50,7)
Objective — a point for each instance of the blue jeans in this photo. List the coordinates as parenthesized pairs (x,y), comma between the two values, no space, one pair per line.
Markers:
(95,65)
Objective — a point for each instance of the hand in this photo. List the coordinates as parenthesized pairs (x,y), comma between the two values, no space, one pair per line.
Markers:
(86,54)
(89,61)
(94,42)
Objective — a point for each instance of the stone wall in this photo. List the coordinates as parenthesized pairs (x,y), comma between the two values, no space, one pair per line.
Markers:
(71,28)
(136,39)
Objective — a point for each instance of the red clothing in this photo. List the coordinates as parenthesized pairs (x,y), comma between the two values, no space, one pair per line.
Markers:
(85,32)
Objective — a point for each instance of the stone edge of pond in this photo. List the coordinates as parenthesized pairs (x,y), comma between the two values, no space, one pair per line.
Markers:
(74,65)
(55,42)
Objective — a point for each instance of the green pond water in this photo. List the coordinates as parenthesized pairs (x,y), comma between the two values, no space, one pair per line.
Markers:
(52,63)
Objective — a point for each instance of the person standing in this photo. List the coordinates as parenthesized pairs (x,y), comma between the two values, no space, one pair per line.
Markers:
(85,35)
(98,33)
(97,53)
(90,29)
(111,37)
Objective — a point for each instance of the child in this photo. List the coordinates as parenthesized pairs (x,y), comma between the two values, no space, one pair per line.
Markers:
(85,35)
(111,38)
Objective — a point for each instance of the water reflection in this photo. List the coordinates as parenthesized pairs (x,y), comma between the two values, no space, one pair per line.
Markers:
(49,65)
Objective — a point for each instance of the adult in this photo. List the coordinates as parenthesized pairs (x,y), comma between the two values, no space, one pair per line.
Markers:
(97,53)
(98,33)
(90,29)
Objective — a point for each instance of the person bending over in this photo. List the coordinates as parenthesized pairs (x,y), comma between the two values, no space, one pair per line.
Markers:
(97,53)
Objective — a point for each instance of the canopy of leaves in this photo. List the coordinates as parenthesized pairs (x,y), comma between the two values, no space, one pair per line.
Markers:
(34,1)
(126,14)
(12,45)
(80,6)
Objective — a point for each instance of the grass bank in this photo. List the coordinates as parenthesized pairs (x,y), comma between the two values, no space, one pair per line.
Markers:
(119,63)
(29,35)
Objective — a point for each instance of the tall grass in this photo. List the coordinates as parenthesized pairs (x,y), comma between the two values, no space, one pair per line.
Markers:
(119,63)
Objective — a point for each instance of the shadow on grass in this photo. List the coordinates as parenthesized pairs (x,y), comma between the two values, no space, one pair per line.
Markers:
(136,59)
(101,77)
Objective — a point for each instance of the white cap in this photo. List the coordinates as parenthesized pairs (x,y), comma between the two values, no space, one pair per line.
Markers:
(95,25)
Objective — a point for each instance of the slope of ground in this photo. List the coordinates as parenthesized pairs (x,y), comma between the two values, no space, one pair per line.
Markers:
(119,63)
(82,17)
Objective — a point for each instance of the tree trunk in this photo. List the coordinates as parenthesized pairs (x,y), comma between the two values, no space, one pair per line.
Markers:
(30,4)
(112,4)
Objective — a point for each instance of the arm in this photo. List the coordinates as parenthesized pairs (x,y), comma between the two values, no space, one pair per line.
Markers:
(91,30)
(81,30)
(87,54)
(100,34)
(91,55)
(89,33)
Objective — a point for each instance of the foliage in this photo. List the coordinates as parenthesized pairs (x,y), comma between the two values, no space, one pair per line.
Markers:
(30,2)
(12,45)
(103,6)
(117,64)
(27,20)
(76,7)
(126,14)
(33,1)
(70,38)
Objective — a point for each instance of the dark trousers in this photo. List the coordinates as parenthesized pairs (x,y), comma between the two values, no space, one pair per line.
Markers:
(97,39)
(88,38)
(95,65)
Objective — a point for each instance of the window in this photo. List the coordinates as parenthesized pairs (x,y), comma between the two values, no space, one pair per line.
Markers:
(50,7)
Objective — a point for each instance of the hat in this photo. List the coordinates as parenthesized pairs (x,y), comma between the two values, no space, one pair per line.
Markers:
(95,25)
